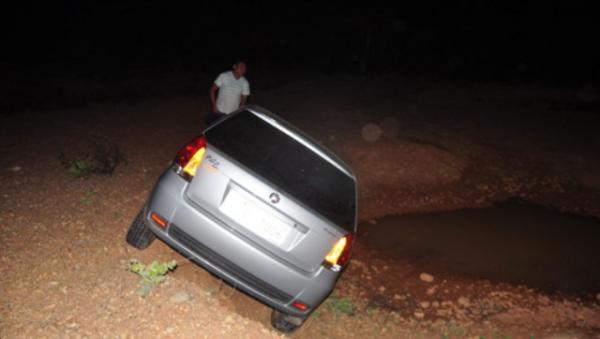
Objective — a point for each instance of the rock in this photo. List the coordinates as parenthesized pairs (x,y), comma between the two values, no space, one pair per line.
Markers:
(424,304)
(431,290)
(464,301)
(15,169)
(419,315)
(381,289)
(447,303)
(398,297)
(543,300)
(371,132)
(180,297)
(435,304)
(426,277)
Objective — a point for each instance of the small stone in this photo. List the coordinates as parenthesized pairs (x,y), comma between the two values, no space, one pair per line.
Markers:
(398,297)
(424,304)
(381,289)
(435,304)
(426,277)
(373,222)
(371,132)
(544,300)
(15,169)
(463,301)
(431,290)
(419,315)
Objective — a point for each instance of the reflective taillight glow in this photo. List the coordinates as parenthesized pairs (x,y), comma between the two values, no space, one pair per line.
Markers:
(300,305)
(339,255)
(190,156)
(160,221)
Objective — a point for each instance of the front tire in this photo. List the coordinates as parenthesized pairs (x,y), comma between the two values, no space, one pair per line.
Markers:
(286,323)
(140,235)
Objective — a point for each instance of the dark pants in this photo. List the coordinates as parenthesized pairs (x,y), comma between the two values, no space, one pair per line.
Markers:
(213,117)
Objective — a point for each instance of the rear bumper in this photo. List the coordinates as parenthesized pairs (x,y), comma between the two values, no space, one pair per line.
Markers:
(218,248)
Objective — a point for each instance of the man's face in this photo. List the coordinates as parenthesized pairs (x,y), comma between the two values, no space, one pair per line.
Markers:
(239,69)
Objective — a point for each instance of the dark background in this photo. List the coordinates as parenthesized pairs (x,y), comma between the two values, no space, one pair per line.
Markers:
(52,51)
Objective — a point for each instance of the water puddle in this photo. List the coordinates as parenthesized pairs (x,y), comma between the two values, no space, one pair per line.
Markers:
(511,242)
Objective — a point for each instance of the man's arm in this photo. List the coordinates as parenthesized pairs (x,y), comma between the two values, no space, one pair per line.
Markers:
(212,94)
(245,93)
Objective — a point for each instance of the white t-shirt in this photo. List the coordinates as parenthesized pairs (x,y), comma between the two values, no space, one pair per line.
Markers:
(230,91)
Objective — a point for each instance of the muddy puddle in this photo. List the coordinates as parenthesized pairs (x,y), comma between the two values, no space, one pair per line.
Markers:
(512,242)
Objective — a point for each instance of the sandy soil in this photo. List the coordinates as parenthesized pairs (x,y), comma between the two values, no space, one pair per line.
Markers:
(419,147)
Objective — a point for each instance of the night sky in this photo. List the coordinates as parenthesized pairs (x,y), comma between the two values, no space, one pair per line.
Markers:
(540,42)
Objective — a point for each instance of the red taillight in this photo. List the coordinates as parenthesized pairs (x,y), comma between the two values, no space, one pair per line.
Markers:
(190,156)
(300,305)
(339,255)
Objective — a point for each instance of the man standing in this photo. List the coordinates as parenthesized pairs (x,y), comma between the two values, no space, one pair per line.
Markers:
(233,90)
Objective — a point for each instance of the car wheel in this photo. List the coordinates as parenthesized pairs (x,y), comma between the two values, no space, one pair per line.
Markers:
(140,235)
(286,323)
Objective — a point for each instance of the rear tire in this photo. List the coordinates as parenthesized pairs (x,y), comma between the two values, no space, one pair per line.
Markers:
(286,323)
(140,235)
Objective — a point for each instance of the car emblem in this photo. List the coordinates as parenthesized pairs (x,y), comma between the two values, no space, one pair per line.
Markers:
(274,197)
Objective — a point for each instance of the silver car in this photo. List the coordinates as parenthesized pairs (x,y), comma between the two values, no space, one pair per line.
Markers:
(261,205)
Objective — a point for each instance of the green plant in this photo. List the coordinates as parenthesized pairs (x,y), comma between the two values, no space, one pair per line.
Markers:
(100,156)
(151,275)
(371,310)
(340,305)
(455,331)
(80,168)
(87,199)
(117,214)
(212,290)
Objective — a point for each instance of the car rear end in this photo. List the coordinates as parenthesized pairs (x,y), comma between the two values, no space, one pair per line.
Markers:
(262,206)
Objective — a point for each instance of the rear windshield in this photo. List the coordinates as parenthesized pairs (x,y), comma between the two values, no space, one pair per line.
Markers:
(287,164)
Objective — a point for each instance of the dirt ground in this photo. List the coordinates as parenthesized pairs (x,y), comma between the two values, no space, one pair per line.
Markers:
(416,147)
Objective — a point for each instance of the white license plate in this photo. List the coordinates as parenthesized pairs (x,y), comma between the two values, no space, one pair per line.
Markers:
(254,217)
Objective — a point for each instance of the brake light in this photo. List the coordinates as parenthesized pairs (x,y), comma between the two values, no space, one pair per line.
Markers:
(339,255)
(190,156)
